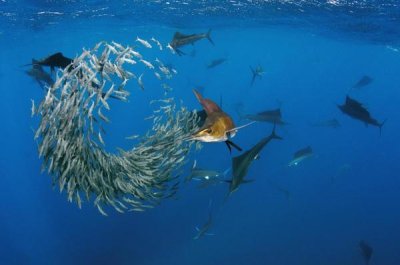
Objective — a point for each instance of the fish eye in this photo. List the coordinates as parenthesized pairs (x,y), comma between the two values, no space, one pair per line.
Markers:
(209,130)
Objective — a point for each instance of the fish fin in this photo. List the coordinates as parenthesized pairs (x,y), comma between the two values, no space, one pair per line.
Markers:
(230,143)
(208,36)
(179,52)
(252,70)
(229,146)
(40,84)
(178,35)
(197,229)
(380,126)
(274,135)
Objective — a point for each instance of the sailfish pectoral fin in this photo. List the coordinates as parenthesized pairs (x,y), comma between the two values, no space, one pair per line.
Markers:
(229,143)
(229,146)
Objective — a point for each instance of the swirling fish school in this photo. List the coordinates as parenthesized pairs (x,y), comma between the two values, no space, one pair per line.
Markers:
(70,135)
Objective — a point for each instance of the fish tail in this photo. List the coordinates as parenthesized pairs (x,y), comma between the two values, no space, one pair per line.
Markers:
(380,126)
(252,70)
(274,135)
(229,143)
(208,36)
(179,52)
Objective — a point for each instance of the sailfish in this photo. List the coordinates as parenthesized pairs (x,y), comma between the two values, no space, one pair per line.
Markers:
(218,126)
(241,163)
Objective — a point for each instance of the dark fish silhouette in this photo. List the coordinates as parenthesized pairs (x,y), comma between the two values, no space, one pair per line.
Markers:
(366,251)
(257,72)
(41,76)
(241,164)
(333,123)
(203,230)
(216,62)
(364,81)
(55,60)
(180,40)
(357,111)
(300,155)
(272,116)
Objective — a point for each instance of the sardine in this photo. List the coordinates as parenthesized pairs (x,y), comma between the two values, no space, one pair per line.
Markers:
(144,42)
(147,63)
(33,108)
(140,82)
(158,43)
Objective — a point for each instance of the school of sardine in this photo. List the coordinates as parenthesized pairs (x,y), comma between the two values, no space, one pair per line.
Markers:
(70,141)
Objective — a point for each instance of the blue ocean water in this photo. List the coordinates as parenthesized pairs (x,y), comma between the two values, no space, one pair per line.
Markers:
(312,53)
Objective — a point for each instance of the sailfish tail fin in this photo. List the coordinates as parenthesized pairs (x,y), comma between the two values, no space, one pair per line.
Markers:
(274,135)
(208,36)
(380,126)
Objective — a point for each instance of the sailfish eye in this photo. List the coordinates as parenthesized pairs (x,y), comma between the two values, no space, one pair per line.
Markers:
(209,130)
